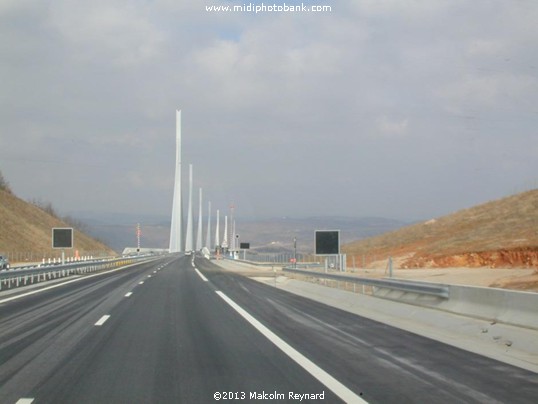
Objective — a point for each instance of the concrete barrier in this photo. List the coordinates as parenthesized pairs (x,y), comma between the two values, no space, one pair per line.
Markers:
(492,304)
(501,305)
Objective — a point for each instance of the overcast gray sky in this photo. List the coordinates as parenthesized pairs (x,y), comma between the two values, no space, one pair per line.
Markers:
(403,109)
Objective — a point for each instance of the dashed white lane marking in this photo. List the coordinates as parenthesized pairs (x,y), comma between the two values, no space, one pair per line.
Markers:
(102,320)
(201,275)
(64,283)
(141,282)
(128,294)
(25,401)
(330,382)
(149,276)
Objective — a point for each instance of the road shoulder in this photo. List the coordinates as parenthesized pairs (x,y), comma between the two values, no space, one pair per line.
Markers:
(505,343)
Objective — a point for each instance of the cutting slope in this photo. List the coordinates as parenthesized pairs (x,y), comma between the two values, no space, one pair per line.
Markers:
(25,232)
(498,233)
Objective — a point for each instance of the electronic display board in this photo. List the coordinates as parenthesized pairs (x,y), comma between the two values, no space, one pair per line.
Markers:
(327,242)
(62,237)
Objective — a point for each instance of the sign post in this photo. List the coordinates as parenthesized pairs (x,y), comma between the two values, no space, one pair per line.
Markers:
(328,244)
(138,234)
(62,238)
(244,247)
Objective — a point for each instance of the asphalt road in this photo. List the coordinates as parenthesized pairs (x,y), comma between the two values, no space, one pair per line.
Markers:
(165,332)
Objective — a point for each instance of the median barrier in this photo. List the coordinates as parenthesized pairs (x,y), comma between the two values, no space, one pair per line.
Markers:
(492,304)
(24,276)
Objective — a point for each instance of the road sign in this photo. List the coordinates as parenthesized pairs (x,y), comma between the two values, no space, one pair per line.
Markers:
(62,237)
(327,242)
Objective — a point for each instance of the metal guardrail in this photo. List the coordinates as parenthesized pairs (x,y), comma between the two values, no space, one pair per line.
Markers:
(274,264)
(27,276)
(402,285)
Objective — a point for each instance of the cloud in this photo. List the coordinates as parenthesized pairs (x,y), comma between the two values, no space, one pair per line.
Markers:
(372,97)
(480,47)
(493,90)
(391,128)
(119,33)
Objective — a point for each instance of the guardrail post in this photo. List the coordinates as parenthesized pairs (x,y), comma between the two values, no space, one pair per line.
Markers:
(35,274)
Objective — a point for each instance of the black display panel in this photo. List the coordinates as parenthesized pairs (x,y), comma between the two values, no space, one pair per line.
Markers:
(327,242)
(62,238)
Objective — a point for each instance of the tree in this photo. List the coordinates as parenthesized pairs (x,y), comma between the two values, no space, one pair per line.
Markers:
(4,185)
(45,207)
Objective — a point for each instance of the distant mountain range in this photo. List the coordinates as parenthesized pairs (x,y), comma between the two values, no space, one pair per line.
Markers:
(498,233)
(263,235)
(118,230)
(274,235)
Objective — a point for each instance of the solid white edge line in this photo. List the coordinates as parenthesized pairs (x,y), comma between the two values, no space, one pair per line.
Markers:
(325,378)
(201,275)
(33,292)
(102,320)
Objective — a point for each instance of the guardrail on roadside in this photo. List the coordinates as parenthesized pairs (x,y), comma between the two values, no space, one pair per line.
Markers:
(27,276)
(274,264)
(512,307)
(423,288)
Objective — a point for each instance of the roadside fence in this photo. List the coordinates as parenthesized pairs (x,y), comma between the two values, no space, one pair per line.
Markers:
(29,275)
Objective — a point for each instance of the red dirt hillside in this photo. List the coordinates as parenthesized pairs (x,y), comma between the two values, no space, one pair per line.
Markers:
(501,233)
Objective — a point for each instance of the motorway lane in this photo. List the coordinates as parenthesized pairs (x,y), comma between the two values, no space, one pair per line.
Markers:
(385,364)
(172,340)
(38,330)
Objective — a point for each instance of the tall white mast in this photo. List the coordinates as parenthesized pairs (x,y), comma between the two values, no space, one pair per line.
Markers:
(225,241)
(232,228)
(199,232)
(176,228)
(208,233)
(217,238)
(189,235)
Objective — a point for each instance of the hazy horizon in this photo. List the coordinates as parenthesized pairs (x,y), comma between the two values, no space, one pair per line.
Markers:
(404,110)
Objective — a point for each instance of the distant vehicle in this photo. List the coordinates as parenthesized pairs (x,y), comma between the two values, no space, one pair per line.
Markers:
(4,262)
